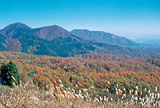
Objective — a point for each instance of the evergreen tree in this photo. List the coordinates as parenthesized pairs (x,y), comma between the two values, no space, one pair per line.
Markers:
(10,74)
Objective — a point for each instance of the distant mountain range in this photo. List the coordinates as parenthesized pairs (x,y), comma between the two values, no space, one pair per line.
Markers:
(56,41)
(104,37)
(150,41)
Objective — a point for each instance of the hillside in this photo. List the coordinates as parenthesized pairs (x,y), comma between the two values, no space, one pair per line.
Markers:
(90,79)
(56,41)
(92,65)
(103,37)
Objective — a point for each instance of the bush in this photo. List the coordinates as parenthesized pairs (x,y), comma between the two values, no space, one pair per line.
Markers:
(42,81)
(100,84)
(10,74)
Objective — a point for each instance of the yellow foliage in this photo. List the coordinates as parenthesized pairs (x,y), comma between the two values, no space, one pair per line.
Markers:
(42,82)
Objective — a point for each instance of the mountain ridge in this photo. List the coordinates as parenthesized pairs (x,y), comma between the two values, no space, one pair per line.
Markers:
(57,41)
(104,37)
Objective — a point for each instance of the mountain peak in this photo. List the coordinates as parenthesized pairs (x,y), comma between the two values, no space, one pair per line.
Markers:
(51,32)
(53,27)
(17,25)
(12,28)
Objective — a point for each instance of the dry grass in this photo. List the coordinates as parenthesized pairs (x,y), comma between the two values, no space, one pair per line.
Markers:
(31,97)
(35,98)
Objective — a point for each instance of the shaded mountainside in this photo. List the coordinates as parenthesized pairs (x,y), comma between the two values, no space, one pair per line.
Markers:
(56,41)
(103,37)
(2,42)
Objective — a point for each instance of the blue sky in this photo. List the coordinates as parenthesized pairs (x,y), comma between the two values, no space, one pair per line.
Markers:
(131,18)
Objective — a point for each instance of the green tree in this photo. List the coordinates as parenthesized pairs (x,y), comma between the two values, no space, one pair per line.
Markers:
(10,74)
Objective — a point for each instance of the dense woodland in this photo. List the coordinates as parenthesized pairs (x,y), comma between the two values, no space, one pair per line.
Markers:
(95,72)
(101,76)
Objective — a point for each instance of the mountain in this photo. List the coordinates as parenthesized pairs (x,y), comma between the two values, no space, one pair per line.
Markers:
(2,42)
(51,40)
(51,32)
(103,37)
(56,41)
(12,28)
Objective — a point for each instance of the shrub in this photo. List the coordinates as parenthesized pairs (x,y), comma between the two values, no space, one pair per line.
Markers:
(42,81)
(31,74)
(112,88)
(10,74)
(80,85)
(73,79)
(66,84)
(100,84)
(107,67)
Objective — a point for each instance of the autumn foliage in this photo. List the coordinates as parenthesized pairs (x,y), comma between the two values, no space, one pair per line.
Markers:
(42,81)
(98,73)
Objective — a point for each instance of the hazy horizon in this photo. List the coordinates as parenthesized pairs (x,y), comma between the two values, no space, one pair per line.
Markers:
(128,18)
